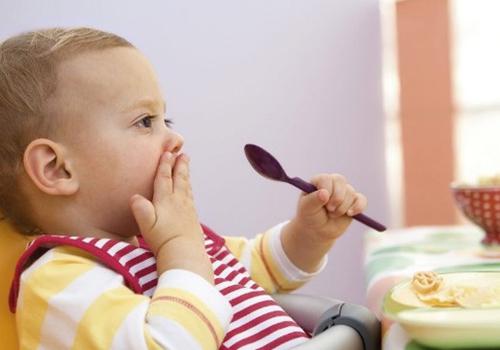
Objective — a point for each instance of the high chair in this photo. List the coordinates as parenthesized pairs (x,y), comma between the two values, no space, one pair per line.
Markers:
(333,323)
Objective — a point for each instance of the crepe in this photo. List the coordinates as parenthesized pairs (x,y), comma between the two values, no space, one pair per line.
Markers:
(436,291)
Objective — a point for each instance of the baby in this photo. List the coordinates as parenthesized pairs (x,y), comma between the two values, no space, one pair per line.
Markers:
(87,161)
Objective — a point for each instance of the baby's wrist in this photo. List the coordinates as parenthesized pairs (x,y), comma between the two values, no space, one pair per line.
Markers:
(304,232)
(185,254)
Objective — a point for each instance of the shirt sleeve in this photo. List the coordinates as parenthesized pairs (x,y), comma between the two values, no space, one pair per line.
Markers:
(267,262)
(68,300)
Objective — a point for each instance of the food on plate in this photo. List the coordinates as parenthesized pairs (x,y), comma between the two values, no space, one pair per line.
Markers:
(435,291)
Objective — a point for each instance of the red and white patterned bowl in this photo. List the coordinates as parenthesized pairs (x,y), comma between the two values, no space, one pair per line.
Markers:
(481,205)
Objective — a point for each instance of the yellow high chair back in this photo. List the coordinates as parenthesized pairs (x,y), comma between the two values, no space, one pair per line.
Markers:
(12,244)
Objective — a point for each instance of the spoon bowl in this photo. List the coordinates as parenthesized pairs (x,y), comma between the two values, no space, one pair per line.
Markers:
(264,163)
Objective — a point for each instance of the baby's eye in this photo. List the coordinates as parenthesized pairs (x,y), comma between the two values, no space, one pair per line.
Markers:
(168,122)
(145,122)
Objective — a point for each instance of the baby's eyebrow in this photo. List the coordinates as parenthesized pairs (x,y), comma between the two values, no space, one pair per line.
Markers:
(150,103)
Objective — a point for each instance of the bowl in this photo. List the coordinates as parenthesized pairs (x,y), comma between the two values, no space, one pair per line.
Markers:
(481,205)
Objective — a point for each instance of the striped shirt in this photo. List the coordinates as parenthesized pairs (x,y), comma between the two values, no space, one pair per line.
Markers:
(90,293)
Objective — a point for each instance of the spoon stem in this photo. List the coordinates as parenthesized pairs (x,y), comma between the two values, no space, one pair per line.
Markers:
(309,188)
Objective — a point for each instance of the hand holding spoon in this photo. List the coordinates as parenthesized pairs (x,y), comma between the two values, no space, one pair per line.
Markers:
(269,167)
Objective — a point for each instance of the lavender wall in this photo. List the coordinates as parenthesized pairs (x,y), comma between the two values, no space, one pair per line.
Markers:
(301,78)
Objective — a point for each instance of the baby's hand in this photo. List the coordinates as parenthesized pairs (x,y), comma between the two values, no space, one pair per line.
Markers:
(169,223)
(327,213)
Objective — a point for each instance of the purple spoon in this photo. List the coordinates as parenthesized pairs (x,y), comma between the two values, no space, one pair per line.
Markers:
(269,167)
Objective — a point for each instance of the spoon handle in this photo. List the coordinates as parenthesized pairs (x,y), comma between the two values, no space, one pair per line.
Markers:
(308,188)
(302,185)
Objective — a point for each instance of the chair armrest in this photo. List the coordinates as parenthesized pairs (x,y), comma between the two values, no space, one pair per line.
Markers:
(318,314)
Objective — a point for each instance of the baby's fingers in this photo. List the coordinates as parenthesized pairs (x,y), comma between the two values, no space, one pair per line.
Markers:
(358,206)
(144,213)
(181,174)
(163,180)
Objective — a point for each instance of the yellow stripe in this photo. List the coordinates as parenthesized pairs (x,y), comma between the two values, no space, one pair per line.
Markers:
(191,313)
(236,245)
(276,275)
(104,316)
(41,285)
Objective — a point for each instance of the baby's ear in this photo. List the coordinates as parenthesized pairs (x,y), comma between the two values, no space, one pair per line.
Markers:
(48,168)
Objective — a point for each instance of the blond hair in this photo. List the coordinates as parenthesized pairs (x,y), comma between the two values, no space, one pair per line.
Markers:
(28,76)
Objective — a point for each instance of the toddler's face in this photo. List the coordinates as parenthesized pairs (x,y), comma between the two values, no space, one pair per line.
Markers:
(112,122)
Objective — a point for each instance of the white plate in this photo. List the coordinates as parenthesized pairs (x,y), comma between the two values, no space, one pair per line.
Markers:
(446,327)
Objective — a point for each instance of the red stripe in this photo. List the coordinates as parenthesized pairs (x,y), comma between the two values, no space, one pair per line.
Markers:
(262,334)
(243,280)
(138,259)
(246,296)
(231,275)
(232,262)
(124,251)
(145,271)
(150,284)
(254,322)
(221,254)
(219,280)
(283,339)
(109,244)
(229,289)
(219,269)
(251,308)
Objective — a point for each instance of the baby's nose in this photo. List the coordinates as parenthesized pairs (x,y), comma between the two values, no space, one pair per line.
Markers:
(174,142)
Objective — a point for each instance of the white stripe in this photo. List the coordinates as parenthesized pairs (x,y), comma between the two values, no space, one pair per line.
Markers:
(149,292)
(100,243)
(224,273)
(67,308)
(291,272)
(219,253)
(253,300)
(147,278)
(223,284)
(130,334)
(260,327)
(227,259)
(255,314)
(239,277)
(171,335)
(269,338)
(246,255)
(236,293)
(27,274)
(133,254)
(117,247)
(142,265)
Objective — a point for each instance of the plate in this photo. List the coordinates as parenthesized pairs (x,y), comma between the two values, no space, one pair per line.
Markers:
(447,327)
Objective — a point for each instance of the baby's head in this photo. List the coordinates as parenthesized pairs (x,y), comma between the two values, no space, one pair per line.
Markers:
(83,128)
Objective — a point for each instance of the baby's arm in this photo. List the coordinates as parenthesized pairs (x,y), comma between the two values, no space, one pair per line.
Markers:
(285,257)
(68,300)
(266,261)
